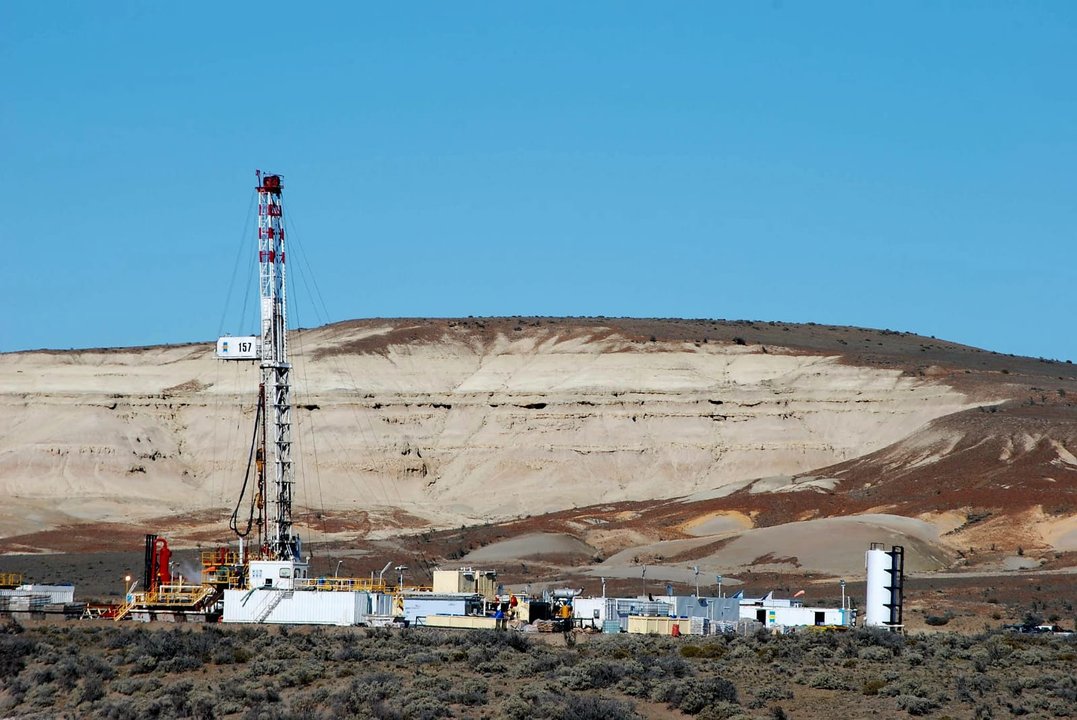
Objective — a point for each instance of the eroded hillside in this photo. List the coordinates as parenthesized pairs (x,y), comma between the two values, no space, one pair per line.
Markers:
(437,423)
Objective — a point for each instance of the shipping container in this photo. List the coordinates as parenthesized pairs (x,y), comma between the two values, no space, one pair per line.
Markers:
(650,625)
(299,607)
(469,622)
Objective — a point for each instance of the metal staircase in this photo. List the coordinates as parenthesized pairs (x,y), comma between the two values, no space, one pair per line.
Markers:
(275,598)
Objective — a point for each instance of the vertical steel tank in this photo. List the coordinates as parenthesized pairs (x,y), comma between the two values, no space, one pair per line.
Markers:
(885,586)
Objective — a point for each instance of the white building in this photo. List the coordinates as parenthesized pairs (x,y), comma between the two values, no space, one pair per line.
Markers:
(786,612)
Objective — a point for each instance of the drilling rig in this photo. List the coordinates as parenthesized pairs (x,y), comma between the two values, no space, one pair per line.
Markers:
(275,555)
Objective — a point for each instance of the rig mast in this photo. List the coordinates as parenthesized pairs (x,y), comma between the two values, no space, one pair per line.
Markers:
(277,541)
(276,369)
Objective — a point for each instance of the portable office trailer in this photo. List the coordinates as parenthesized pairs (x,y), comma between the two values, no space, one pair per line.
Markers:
(796,615)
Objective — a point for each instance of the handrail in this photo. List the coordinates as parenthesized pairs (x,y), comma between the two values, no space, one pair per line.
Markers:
(215,558)
(340,584)
(10,579)
(121,613)
(177,595)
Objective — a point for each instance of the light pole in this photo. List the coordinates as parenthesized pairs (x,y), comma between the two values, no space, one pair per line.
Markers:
(400,570)
(336,573)
(643,577)
(126,584)
(603,588)
(695,569)
(841,584)
(718,579)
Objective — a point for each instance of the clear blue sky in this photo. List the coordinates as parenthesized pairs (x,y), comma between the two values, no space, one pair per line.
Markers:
(908,165)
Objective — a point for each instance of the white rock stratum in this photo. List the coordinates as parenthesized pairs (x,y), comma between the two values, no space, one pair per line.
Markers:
(454,427)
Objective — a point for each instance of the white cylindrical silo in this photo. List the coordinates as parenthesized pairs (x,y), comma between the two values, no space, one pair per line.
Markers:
(879,595)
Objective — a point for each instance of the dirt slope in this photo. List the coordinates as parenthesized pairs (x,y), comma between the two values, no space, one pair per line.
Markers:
(409,425)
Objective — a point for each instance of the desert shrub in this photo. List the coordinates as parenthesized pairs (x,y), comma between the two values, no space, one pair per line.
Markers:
(828,680)
(874,653)
(181,663)
(363,693)
(88,690)
(1031,656)
(266,711)
(533,701)
(419,705)
(635,686)
(980,659)
(117,709)
(904,683)
(966,685)
(937,620)
(715,648)
(203,706)
(481,654)
(866,637)
(266,667)
(592,707)
(42,675)
(673,666)
(303,673)
(135,685)
(143,664)
(691,695)
(423,658)
(228,654)
(723,711)
(471,693)
(15,650)
(915,705)
(515,708)
(593,674)
(1064,688)
(67,673)
(872,686)
(348,652)
(514,640)
(541,662)
(769,693)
